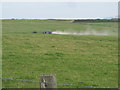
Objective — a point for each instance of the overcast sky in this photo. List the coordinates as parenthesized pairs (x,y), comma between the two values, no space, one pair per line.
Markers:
(50,10)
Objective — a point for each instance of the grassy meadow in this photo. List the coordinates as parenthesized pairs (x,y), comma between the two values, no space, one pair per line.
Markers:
(75,59)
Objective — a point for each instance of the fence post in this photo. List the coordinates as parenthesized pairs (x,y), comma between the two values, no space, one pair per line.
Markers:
(48,81)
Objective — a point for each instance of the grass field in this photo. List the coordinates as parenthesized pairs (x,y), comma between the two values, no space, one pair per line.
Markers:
(75,59)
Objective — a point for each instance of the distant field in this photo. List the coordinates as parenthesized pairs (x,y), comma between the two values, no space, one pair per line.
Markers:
(75,59)
(28,26)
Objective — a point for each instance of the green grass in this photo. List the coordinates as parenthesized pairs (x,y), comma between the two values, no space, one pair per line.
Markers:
(27,26)
(89,59)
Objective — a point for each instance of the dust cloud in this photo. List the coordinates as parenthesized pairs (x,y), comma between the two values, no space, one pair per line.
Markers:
(92,32)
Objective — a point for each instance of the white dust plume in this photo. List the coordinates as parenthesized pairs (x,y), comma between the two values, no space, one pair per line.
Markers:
(93,32)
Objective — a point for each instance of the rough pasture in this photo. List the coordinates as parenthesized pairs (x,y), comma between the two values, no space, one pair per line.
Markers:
(89,59)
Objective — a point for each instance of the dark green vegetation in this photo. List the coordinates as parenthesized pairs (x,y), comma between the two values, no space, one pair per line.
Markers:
(96,20)
(88,60)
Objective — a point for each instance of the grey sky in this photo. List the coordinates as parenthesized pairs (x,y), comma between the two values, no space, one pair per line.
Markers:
(52,10)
